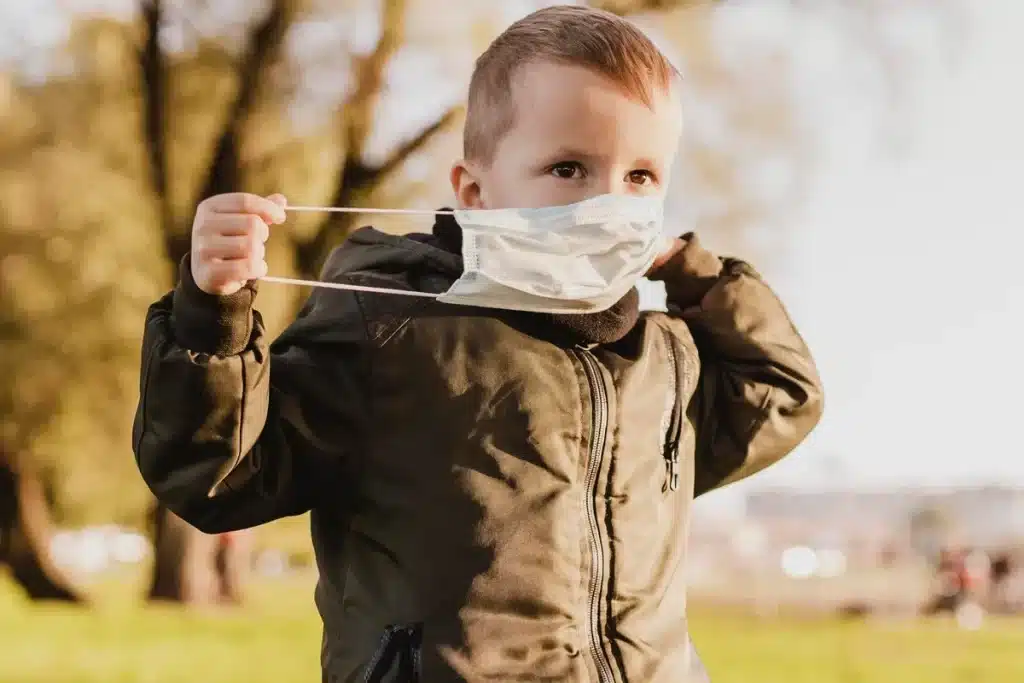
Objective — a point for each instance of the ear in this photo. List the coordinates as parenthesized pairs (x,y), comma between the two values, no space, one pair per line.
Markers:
(466,185)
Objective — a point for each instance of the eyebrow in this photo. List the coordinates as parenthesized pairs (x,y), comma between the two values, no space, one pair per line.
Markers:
(570,153)
(646,162)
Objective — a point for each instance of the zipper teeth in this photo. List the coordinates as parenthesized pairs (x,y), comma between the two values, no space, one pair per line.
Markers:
(674,429)
(600,419)
(688,369)
(378,654)
(670,401)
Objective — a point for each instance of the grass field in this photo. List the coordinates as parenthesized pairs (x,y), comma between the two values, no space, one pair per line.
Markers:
(276,640)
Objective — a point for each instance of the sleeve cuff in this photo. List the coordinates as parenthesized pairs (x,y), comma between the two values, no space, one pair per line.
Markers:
(690,274)
(206,323)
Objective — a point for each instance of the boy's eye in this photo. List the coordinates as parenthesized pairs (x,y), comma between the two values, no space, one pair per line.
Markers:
(641,177)
(568,170)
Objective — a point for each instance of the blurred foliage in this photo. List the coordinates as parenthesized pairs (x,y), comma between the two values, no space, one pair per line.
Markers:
(81,262)
(116,118)
(931,528)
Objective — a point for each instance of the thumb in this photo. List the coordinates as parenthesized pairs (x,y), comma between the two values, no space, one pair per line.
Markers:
(278,199)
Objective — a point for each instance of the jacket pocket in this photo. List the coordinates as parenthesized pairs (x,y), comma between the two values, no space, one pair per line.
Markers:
(397,658)
(672,422)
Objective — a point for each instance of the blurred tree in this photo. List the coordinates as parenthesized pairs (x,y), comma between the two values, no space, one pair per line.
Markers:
(116,118)
(25,533)
(931,529)
(196,568)
(81,261)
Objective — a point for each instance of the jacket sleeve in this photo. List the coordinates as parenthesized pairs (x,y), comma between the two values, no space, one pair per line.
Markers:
(231,432)
(758,395)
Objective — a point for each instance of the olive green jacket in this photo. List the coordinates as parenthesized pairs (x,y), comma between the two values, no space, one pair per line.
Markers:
(490,502)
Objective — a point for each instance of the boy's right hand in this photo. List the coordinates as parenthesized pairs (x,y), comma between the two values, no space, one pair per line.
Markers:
(228,237)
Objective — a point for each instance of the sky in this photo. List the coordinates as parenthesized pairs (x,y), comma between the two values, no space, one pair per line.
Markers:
(905,281)
(903,276)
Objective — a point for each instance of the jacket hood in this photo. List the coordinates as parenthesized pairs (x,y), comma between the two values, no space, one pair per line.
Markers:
(369,250)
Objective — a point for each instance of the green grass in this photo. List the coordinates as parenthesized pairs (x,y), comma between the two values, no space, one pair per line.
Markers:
(277,639)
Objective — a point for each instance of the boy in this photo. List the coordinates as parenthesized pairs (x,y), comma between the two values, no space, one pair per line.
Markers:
(496,495)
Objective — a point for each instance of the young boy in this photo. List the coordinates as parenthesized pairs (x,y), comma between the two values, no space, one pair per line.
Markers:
(496,494)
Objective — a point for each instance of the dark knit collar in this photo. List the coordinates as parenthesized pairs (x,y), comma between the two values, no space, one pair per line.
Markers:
(448,232)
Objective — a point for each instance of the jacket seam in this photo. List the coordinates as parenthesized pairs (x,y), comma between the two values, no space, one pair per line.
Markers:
(763,412)
(359,468)
(143,401)
(755,426)
(241,421)
(360,461)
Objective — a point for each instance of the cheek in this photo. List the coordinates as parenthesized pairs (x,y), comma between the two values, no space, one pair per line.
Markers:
(500,188)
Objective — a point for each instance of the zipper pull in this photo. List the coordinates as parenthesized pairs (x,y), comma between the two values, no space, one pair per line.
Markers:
(672,468)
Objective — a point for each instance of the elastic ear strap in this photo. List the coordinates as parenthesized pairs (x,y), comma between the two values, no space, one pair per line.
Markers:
(355,209)
(348,287)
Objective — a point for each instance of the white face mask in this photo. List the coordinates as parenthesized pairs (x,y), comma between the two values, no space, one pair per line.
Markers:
(578,258)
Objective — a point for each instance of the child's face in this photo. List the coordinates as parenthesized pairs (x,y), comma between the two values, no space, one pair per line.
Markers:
(576,135)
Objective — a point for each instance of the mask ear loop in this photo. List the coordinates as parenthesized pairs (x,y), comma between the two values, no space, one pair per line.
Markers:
(352,209)
(340,285)
(344,286)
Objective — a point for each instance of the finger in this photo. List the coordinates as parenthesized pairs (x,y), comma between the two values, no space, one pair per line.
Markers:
(257,254)
(258,269)
(226,272)
(228,247)
(245,202)
(237,224)
(278,199)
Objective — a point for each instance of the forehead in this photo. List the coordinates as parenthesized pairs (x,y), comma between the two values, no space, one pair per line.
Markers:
(560,105)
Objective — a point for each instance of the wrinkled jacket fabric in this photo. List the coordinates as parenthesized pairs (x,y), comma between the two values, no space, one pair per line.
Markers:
(490,502)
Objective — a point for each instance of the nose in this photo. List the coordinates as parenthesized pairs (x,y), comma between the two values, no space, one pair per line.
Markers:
(610,183)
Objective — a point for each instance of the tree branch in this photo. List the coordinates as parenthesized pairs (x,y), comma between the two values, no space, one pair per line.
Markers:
(153,84)
(358,176)
(357,122)
(358,111)
(223,174)
(358,179)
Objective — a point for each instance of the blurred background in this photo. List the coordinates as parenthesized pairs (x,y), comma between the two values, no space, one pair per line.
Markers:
(866,155)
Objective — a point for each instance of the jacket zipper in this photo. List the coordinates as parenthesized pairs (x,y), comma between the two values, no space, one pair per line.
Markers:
(403,643)
(674,429)
(378,655)
(599,435)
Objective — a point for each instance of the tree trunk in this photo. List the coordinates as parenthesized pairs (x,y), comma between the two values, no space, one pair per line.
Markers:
(25,534)
(233,561)
(193,568)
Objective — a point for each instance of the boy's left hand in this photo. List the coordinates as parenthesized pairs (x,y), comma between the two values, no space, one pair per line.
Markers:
(672,248)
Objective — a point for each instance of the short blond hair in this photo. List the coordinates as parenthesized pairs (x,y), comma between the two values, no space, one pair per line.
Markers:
(564,34)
